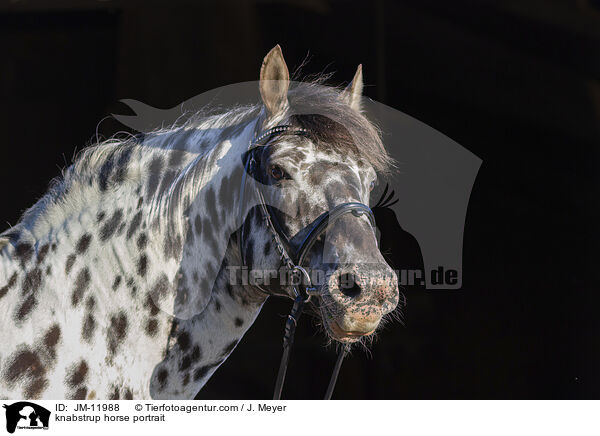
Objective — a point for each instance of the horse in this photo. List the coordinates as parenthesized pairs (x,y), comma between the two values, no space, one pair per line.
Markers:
(129,277)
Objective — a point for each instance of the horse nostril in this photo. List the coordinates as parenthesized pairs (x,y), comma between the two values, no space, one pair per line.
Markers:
(348,285)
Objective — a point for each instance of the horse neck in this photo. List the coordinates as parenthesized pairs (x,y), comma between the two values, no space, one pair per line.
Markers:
(212,310)
(197,346)
(199,218)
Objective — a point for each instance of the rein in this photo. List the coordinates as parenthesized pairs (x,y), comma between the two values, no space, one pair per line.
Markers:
(294,261)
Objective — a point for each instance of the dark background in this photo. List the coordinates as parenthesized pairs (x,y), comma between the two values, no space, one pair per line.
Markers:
(515,82)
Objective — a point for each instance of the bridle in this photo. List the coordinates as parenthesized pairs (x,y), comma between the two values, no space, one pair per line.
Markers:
(293,260)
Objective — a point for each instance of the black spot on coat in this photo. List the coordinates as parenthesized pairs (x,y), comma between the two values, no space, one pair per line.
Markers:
(114,395)
(196,353)
(142,266)
(35,388)
(162,377)
(32,281)
(70,261)
(80,394)
(185,363)
(211,206)
(158,291)
(267,248)
(154,171)
(43,252)
(135,224)
(122,162)
(90,303)
(27,365)
(24,252)
(11,282)
(105,171)
(83,243)
(88,328)
(183,340)
(176,157)
(81,284)
(77,374)
(117,331)
(151,327)
(111,226)
(226,191)
(51,339)
(117,282)
(142,241)
(168,179)
(26,307)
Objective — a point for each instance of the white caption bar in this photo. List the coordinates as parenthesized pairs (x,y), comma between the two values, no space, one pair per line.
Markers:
(298,417)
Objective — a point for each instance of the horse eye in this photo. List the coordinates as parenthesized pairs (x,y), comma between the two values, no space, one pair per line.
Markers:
(276,172)
(372,185)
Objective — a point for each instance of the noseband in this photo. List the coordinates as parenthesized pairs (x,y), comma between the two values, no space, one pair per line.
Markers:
(292,259)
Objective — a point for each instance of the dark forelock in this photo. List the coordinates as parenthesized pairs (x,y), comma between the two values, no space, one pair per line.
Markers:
(333,125)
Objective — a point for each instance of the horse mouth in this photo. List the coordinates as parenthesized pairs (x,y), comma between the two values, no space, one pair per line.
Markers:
(337,333)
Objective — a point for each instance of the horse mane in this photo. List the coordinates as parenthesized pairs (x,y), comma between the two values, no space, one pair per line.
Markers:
(332,123)
(89,164)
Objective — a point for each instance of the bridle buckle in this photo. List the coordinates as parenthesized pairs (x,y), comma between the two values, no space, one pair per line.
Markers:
(306,285)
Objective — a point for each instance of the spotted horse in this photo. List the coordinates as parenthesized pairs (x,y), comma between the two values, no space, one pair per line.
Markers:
(126,279)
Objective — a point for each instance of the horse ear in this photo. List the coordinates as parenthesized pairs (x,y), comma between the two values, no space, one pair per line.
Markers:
(274,82)
(353,92)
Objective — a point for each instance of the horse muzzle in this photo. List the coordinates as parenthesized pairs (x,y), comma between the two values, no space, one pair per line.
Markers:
(355,302)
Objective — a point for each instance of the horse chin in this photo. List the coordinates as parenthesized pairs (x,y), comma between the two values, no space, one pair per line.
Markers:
(338,334)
